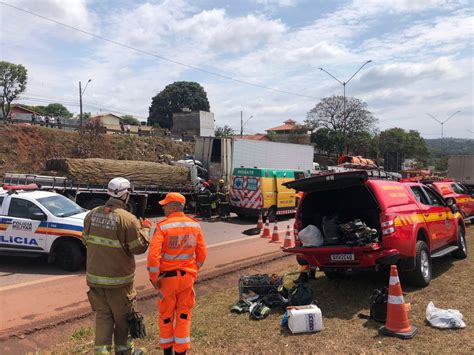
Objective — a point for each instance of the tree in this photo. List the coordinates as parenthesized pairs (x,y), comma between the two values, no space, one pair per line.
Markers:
(329,113)
(409,144)
(129,119)
(173,99)
(225,131)
(327,140)
(13,78)
(57,110)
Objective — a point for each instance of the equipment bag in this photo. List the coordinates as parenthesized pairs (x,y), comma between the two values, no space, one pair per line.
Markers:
(378,305)
(300,295)
(136,326)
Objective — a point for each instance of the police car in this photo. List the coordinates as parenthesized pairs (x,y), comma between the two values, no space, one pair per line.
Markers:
(34,223)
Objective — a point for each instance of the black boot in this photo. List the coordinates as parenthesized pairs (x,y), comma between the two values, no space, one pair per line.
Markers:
(168,351)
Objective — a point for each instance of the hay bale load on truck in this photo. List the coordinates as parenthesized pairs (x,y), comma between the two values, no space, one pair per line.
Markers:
(85,180)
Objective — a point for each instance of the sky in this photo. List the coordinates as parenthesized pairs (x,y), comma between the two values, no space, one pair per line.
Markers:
(421,52)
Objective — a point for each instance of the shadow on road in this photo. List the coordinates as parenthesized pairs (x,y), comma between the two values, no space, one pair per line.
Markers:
(14,265)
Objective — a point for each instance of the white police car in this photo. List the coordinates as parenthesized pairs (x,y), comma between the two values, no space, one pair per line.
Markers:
(34,222)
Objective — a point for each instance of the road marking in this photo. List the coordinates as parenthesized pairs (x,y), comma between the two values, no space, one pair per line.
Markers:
(138,261)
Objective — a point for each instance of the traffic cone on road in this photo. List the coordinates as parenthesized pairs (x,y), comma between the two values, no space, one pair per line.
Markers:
(266,231)
(397,323)
(275,235)
(288,241)
(260,221)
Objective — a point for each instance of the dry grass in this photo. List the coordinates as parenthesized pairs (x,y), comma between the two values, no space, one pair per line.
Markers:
(216,331)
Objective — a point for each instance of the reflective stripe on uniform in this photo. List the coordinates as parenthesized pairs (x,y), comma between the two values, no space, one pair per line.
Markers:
(199,264)
(395,300)
(102,349)
(93,239)
(182,340)
(153,268)
(103,280)
(166,340)
(177,257)
(179,224)
(135,243)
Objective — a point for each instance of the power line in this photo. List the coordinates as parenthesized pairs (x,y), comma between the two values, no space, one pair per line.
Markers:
(158,56)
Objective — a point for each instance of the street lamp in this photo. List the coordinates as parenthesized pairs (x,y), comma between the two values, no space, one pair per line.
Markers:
(242,124)
(81,92)
(344,83)
(442,122)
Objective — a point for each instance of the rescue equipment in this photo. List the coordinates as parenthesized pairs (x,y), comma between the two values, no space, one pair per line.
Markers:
(305,319)
(397,324)
(136,325)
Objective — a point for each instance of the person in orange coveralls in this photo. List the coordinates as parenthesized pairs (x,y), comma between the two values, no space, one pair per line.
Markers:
(177,252)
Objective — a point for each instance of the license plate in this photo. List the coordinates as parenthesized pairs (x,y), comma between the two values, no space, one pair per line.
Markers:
(342,257)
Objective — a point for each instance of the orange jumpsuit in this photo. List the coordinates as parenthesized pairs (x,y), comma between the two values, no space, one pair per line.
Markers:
(177,251)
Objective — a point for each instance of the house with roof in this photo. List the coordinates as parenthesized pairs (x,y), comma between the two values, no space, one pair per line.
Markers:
(290,132)
(21,113)
(107,119)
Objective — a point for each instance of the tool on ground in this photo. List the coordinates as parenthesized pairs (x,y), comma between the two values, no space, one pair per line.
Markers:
(288,241)
(266,231)
(275,235)
(304,319)
(397,324)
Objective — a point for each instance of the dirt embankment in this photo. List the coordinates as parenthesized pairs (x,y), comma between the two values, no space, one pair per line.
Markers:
(26,149)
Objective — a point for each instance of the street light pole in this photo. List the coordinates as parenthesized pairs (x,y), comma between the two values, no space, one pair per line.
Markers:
(80,99)
(242,123)
(344,83)
(442,122)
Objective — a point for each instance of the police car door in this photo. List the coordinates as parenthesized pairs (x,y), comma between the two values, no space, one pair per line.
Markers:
(26,226)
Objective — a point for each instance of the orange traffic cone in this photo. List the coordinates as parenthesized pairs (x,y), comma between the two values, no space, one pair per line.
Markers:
(288,241)
(260,221)
(266,231)
(397,323)
(275,235)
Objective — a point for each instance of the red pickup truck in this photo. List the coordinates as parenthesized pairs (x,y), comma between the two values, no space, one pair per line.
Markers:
(413,224)
(463,199)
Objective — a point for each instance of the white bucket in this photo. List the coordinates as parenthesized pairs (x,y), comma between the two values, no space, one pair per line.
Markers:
(304,319)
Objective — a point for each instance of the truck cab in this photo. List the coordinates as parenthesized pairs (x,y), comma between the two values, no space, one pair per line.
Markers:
(35,223)
(463,199)
(411,221)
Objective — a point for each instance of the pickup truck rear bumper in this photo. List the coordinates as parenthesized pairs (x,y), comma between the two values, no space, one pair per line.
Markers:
(342,257)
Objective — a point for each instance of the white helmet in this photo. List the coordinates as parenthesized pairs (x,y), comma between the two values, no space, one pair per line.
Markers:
(118,187)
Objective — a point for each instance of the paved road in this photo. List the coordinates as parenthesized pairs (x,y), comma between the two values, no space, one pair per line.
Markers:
(33,292)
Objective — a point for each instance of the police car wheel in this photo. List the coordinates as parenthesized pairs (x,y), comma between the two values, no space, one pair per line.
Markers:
(461,253)
(421,276)
(69,256)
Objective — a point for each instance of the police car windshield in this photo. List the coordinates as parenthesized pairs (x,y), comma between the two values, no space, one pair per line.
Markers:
(60,206)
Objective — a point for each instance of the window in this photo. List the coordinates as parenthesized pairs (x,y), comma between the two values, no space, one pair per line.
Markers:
(24,209)
(238,183)
(458,189)
(299,175)
(419,195)
(60,206)
(1,201)
(252,184)
(434,199)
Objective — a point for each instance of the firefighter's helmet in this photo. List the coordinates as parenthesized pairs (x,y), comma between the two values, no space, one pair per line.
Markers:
(118,187)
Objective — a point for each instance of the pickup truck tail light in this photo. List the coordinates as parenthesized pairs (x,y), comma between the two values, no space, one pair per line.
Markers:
(388,227)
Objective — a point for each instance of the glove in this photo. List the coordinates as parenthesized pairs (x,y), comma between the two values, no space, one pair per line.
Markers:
(136,326)
(145,222)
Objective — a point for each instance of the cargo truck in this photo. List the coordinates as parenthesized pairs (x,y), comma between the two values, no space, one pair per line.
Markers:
(461,169)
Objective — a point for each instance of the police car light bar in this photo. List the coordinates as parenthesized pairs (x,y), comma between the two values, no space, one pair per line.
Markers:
(12,188)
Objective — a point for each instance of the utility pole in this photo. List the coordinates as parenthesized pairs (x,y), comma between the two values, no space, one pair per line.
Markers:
(80,103)
(241,124)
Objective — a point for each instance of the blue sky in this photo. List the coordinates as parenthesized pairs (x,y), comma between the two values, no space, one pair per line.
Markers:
(421,50)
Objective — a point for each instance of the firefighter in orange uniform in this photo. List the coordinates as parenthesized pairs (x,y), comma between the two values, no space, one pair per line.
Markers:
(177,252)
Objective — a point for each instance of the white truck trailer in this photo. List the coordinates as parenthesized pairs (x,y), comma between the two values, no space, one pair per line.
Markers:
(221,155)
(461,168)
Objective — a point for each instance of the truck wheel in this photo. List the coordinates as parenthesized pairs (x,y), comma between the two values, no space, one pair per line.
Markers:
(272,214)
(94,203)
(461,253)
(69,255)
(421,276)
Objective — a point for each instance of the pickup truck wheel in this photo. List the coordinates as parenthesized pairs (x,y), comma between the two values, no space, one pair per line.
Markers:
(461,253)
(421,276)
(69,256)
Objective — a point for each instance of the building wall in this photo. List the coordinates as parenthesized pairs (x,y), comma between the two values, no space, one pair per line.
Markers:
(291,138)
(109,120)
(199,123)
(207,124)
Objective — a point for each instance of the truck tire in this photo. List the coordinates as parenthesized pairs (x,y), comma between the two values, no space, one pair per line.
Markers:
(272,214)
(96,202)
(69,255)
(421,276)
(461,253)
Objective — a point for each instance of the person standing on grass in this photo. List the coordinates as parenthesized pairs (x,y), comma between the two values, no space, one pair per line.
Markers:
(113,236)
(177,252)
